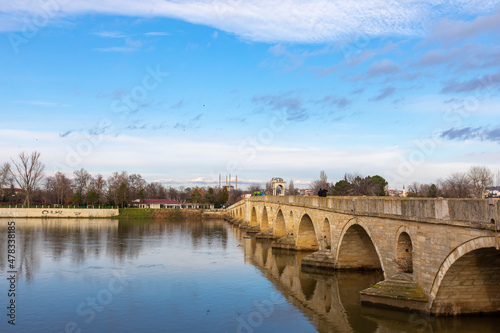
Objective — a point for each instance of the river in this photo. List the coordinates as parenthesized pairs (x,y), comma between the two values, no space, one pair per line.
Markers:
(182,276)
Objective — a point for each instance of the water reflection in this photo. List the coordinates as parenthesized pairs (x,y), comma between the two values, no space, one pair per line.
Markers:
(189,276)
(81,239)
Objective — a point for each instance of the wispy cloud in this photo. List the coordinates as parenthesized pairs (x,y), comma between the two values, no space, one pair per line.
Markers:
(131,46)
(42,103)
(292,105)
(486,81)
(65,134)
(334,100)
(156,33)
(315,21)
(449,30)
(178,105)
(110,34)
(472,133)
(388,91)
(383,67)
(124,49)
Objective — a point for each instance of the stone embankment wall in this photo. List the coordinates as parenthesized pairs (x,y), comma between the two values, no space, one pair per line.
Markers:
(58,212)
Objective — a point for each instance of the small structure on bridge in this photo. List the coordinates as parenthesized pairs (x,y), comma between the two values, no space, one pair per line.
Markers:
(278,186)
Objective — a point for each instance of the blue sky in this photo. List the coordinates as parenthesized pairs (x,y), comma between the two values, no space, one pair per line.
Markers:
(182,91)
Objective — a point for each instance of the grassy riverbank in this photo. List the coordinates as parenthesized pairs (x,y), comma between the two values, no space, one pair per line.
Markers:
(167,214)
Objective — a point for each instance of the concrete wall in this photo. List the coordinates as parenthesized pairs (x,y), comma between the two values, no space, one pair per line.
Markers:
(57,212)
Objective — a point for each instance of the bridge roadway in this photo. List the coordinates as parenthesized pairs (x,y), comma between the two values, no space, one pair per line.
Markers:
(439,256)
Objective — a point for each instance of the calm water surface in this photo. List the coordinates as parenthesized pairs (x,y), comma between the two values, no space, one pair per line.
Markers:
(185,276)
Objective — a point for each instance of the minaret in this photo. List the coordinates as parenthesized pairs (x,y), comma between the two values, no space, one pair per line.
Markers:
(219,181)
(236,182)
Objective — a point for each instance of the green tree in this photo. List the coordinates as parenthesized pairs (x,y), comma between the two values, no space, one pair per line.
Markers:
(93,197)
(224,196)
(433,191)
(196,196)
(122,194)
(76,198)
(210,196)
(342,188)
(381,184)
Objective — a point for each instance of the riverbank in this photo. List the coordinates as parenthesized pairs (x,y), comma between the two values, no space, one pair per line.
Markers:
(167,214)
(122,213)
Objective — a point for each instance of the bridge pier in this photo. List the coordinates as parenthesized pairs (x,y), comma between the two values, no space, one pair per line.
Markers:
(287,243)
(266,234)
(399,292)
(322,259)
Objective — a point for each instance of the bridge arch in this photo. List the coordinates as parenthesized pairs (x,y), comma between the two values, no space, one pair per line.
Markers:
(467,281)
(264,222)
(404,250)
(253,217)
(356,249)
(279,227)
(306,235)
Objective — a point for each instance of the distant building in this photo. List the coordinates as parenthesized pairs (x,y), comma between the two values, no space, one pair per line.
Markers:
(306,192)
(229,188)
(397,193)
(168,204)
(494,191)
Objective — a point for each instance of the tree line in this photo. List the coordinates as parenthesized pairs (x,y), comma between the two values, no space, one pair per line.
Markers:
(352,184)
(120,189)
(470,184)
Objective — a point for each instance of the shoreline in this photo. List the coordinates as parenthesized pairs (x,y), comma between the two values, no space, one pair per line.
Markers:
(89,213)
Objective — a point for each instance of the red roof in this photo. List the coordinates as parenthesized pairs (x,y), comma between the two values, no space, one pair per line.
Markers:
(161,201)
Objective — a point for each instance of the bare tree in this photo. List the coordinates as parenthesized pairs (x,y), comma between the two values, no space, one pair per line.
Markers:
(28,173)
(269,188)
(82,182)
(414,190)
(254,188)
(480,177)
(117,185)
(321,183)
(58,188)
(98,186)
(137,186)
(457,185)
(5,178)
(361,185)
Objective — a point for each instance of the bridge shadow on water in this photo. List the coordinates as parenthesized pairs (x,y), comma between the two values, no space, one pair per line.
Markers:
(331,299)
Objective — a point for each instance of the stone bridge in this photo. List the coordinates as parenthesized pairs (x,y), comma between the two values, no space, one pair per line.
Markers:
(439,256)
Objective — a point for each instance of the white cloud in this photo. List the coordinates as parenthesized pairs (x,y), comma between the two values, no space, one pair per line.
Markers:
(182,161)
(313,21)
(156,33)
(110,34)
(42,103)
